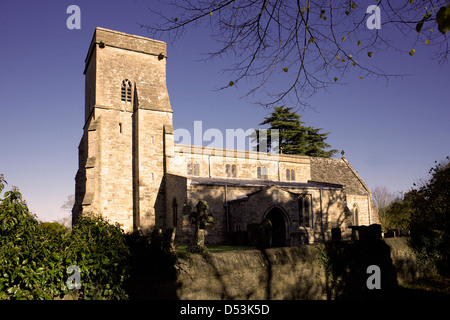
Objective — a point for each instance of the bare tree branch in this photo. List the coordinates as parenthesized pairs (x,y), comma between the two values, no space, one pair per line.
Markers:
(313,44)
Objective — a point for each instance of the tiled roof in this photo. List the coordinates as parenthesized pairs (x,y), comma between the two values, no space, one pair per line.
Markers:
(338,171)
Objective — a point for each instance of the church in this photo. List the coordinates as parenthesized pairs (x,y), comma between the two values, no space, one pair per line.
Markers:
(131,171)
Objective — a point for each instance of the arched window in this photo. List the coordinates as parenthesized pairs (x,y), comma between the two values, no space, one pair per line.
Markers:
(304,210)
(193,169)
(233,171)
(125,92)
(355,215)
(196,169)
(230,170)
(290,175)
(261,173)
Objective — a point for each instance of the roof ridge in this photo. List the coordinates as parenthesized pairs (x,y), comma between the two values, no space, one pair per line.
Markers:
(356,174)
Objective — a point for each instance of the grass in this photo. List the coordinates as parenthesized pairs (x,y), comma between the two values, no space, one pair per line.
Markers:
(430,284)
(213,248)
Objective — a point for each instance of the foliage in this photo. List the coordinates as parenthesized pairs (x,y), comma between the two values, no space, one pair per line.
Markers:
(443,19)
(430,219)
(345,265)
(52,227)
(151,262)
(22,274)
(98,248)
(398,215)
(332,257)
(307,45)
(294,138)
(34,257)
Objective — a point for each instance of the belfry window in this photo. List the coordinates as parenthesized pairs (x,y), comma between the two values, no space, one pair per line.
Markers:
(125,92)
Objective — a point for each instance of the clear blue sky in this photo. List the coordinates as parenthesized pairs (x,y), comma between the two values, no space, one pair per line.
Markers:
(392,133)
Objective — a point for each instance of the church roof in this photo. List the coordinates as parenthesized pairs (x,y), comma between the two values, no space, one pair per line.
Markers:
(338,171)
(262,183)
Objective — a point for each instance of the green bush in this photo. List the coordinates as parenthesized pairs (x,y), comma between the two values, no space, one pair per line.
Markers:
(34,257)
(430,220)
(98,249)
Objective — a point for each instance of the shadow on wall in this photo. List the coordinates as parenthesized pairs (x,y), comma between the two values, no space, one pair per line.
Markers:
(330,271)
(333,271)
(266,274)
(348,271)
(153,272)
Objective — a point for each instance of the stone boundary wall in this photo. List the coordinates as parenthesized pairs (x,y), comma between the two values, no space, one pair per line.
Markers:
(403,259)
(293,273)
(283,273)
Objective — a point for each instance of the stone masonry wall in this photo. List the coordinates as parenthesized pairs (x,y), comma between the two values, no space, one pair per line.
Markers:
(252,209)
(282,273)
(122,151)
(212,163)
(295,273)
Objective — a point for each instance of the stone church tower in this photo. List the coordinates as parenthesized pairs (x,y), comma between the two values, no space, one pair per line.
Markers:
(131,172)
(127,115)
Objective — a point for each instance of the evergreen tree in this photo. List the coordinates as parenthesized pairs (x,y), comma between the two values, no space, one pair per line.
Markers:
(294,137)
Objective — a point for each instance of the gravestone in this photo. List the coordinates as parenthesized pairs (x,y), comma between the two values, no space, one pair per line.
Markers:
(264,234)
(200,219)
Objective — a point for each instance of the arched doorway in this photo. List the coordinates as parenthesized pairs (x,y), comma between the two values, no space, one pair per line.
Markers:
(276,217)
